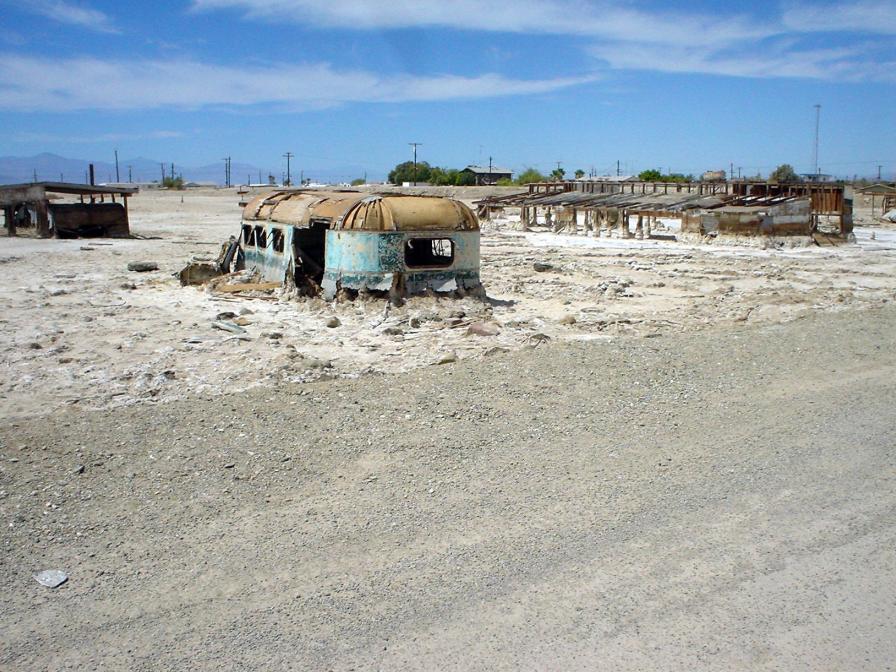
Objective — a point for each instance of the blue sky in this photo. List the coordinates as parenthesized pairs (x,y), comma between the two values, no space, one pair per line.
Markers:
(345,85)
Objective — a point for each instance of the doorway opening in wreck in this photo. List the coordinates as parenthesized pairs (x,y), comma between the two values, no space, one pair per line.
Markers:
(428,252)
(308,245)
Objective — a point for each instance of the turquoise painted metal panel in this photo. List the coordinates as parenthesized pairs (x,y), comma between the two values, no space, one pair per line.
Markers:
(376,260)
(272,264)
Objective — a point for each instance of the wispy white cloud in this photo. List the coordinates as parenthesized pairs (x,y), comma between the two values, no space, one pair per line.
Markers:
(629,36)
(72,14)
(833,64)
(28,83)
(864,16)
(607,19)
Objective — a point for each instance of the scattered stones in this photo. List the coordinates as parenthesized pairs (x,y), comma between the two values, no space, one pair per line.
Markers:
(483,329)
(333,322)
(393,331)
(51,578)
(226,315)
(542,267)
(143,266)
(447,358)
(568,319)
(414,323)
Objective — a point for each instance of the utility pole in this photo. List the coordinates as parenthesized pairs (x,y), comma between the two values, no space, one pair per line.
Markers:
(817,122)
(618,172)
(489,170)
(288,156)
(117,176)
(226,161)
(163,171)
(878,172)
(172,170)
(731,174)
(739,168)
(415,145)
(35,175)
(130,174)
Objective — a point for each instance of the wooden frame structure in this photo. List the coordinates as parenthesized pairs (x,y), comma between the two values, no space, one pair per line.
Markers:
(90,217)
(651,200)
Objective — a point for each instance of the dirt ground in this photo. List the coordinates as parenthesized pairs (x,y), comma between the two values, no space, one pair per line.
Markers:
(78,328)
(697,472)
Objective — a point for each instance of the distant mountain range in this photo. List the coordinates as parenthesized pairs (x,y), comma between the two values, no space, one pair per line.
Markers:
(54,168)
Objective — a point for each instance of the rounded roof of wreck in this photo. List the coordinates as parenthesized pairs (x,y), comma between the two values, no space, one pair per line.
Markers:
(358,211)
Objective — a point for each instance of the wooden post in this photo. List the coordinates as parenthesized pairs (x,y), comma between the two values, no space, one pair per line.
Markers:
(639,227)
(127,216)
(9,214)
(43,218)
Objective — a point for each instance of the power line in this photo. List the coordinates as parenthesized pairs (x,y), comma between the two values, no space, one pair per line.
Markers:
(288,180)
(226,161)
(415,145)
(817,123)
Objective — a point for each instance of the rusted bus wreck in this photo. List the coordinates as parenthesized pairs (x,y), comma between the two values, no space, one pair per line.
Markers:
(344,241)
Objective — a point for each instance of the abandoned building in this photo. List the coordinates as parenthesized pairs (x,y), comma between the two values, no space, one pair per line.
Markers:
(345,240)
(38,207)
(486,175)
(822,211)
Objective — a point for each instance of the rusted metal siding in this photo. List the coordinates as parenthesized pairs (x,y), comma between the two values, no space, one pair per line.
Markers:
(369,260)
(365,244)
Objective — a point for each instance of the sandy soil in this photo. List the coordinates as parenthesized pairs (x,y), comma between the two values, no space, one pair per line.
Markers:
(671,457)
(78,328)
(721,502)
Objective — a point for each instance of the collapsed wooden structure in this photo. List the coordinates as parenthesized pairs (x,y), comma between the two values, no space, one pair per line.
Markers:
(93,216)
(608,206)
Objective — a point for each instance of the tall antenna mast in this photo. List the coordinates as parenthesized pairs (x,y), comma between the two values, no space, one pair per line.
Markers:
(817,122)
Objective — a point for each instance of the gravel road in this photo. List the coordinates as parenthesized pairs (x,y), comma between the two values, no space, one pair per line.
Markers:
(719,500)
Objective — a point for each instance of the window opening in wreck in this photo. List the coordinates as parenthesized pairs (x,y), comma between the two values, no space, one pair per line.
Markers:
(277,239)
(261,237)
(247,234)
(427,252)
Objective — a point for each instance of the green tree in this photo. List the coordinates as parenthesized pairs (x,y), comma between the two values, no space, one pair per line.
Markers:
(174,182)
(358,182)
(465,179)
(651,175)
(439,176)
(784,173)
(530,175)
(404,172)
(580,174)
(557,174)
(504,182)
